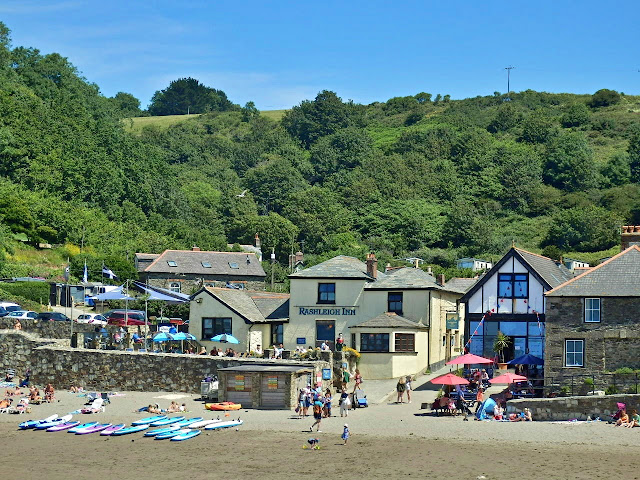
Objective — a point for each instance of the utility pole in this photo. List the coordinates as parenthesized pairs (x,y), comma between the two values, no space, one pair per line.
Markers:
(273,264)
(508,69)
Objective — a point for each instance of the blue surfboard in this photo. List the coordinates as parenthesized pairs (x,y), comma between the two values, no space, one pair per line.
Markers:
(148,420)
(134,429)
(160,431)
(84,425)
(186,436)
(167,421)
(164,436)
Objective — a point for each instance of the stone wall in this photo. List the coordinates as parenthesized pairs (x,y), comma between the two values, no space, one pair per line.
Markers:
(568,408)
(53,362)
(50,329)
(609,344)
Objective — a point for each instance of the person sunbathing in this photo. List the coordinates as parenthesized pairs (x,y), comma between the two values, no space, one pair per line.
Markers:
(49,393)
(34,394)
(154,409)
(634,419)
(173,408)
(6,403)
(624,418)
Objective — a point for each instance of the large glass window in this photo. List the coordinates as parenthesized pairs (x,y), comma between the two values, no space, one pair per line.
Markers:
(514,329)
(574,353)
(591,310)
(325,332)
(536,329)
(394,302)
(326,293)
(215,326)
(277,329)
(405,342)
(513,285)
(374,342)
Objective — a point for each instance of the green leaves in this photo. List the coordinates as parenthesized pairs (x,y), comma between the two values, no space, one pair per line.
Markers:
(188,95)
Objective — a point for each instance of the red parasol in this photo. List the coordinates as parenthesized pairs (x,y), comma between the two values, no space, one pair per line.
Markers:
(508,378)
(450,379)
(469,359)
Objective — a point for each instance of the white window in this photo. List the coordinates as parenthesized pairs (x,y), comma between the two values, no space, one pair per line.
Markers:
(172,263)
(574,353)
(174,287)
(591,310)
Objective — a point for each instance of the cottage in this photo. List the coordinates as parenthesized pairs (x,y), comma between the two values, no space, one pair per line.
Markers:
(592,320)
(510,298)
(475,264)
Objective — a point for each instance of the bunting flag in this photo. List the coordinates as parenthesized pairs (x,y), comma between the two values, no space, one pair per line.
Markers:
(539,324)
(475,332)
(85,275)
(108,272)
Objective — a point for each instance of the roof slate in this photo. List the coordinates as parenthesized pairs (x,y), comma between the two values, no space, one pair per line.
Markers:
(460,285)
(404,278)
(190,262)
(337,267)
(256,307)
(617,277)
(390,320)
(548,269)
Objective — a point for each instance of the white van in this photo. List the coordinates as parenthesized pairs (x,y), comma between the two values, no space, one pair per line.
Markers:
(10,307)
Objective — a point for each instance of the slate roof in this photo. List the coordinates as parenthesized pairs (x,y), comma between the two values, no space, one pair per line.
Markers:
(254,307)
(404,278)
(617,277)
(460,285)
(190,262)
(548,269)
(390,320)
(337,267)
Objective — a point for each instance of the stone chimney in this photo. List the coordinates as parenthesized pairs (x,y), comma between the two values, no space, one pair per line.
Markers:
(258,244)
(440,279)
(387,268)
(372,266)
(195,248)
(429,271)
(630,236)
(417,264)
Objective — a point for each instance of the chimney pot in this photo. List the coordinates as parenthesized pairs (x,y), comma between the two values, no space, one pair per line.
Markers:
(387,268)
(440,279)
(195,248)
(372,266)
(257,241)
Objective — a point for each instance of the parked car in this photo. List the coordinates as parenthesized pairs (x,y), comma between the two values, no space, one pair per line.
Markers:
(93,318)
(10,306)
(3,312)
(51,316)
(22,315)
(117,317)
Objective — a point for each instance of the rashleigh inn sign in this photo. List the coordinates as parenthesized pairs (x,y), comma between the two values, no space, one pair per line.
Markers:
(327,311)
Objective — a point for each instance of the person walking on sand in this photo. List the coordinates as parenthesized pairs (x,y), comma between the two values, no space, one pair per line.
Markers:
(345,403)
(479,398)
(401,386)
(317,414)
(345,433)
(358,379)
(408,387)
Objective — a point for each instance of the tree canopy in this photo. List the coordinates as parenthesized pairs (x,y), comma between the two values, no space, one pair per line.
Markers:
(188,95)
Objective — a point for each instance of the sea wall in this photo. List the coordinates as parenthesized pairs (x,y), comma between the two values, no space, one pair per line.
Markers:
(108,370)
(48,329)
(567,408)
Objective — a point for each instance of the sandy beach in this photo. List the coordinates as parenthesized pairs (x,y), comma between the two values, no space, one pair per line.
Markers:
(388,441)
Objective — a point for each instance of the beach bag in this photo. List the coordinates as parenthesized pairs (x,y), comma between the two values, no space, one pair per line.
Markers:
(298,409)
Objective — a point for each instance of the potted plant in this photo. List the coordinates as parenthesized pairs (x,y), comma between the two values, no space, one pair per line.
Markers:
(501,342)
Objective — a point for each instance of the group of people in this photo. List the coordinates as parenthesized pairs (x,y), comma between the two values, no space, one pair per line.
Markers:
(174,407)
(626,420)
(403,386)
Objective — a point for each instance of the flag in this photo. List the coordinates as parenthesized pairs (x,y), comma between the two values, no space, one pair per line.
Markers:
(85,275)
(108,272)
(66,273)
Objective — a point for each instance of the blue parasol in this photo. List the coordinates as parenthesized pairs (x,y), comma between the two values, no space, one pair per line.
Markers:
(163,337)
(225,338)
(526,359)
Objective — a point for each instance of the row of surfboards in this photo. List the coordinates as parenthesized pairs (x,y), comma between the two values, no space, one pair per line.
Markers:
(175,428)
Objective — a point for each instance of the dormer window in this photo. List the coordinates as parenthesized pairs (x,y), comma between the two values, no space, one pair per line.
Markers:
(206,264)
(233,265)
(172,263)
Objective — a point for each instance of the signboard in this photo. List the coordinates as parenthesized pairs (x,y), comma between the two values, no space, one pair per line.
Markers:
(453,321)
(326,374)
(272,383)
(164,329)
(301,341)
(332,311)
(240,382)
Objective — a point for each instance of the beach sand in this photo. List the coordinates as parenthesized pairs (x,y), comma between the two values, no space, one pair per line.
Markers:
(388,441)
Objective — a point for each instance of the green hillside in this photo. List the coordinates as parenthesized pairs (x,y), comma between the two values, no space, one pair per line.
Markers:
(421,175)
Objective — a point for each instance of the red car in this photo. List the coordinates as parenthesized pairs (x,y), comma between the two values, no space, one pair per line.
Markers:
(117,317)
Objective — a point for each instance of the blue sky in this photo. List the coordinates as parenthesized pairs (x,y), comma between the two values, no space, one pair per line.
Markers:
(279,53)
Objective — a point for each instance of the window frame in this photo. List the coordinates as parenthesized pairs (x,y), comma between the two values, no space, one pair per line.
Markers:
(217,327)
(173,285)
(599,310)
(364,344)
(409,339)
(510,278)
(575,341)
(206,264)
(329,294)
(395,302)
(172,263)
(277,337)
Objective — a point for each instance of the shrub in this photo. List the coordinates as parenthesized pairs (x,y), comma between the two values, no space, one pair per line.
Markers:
(604,98)
(611,390)
(34,291)
(588,381)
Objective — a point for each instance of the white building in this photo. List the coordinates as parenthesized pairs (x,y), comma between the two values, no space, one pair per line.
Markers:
(474,264)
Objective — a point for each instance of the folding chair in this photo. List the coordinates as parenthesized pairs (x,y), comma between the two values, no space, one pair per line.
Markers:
(105,397)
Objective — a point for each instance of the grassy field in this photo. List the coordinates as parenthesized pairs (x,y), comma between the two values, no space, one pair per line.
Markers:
(273,114)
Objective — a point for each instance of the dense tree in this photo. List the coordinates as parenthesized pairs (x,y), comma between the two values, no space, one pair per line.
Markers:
(345,149)
(583,229)
(570,165)
(506,118)
(634,154)
(604,98)
(423,97)
(537,128)
(617,171)
(576,115)
(188,95)
(126,104)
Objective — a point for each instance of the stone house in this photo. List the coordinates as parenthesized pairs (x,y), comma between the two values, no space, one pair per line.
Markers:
(510,298)
(593,320)
(185,271)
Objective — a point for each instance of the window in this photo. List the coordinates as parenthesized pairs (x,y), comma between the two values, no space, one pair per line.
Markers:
(374,342)
(513,285)
(206,265)
(574,353)
(394,303)
(325,332)
(174,287)
(405,342)
(172,263)
(215,326)
(326,293)
(234,265)
(591,310)
(277,330)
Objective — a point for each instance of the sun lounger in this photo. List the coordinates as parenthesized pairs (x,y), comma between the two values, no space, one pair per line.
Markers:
(96,407)
(91,396)
(105,398)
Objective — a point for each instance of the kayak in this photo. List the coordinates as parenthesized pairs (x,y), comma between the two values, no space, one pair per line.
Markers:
(223,406)
(148,420)
(32,423)
(83,426)
(134,429)
(113,428)
(186,436)
(96,428)
(160,431)
(167,421)
(63,426)
(219,425)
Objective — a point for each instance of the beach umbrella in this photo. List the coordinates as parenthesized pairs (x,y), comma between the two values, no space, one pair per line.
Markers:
(450,379)
(526,359)
(469,359)
(225,338)
(163,337)
(182,336)
(508,378)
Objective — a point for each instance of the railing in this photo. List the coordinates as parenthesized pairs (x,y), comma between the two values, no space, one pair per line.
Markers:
(610,383)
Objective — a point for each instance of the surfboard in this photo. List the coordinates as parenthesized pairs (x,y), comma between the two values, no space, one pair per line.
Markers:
(219,425)
(186,436)
(163,436)
(159,431)
(167,421)
(188,421)
(204,423)
(63,426)
(83,426)
(53,423)
(112,428)
(148,420)
(33,423)
(96,428)
(134,429)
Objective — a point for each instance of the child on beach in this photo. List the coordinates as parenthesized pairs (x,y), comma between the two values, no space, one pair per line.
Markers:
(623,420)
(317,414)
(313,442)
(345,433)
(634,419)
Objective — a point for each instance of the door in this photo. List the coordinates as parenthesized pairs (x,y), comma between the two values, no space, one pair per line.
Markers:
(239,389)
(326,332)
(273,390)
